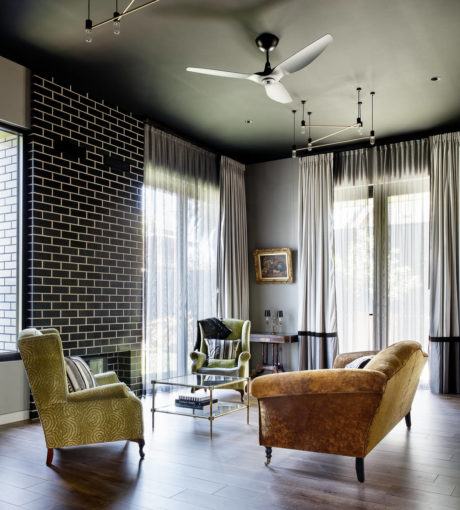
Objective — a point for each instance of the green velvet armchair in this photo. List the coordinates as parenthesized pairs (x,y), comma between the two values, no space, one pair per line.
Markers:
(239,367)
(108,412)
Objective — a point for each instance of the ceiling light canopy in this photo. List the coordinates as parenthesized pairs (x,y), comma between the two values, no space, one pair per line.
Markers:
(335,129)
(115,19)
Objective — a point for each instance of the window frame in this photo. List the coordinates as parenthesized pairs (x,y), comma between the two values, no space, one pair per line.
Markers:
(21,245)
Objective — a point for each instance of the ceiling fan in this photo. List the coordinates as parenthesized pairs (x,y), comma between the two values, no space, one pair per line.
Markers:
(270,78)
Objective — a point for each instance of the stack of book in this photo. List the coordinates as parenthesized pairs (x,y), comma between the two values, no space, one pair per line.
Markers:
(193,402)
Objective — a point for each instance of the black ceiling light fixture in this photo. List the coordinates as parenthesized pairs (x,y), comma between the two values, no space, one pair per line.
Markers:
(302,124)
(115,19)
(294,148)
(359,122)
(336,129)
(372,133)
(89,25)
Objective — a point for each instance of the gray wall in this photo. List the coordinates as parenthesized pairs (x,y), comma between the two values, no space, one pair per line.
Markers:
(14,397)
(14,94)
(271,197)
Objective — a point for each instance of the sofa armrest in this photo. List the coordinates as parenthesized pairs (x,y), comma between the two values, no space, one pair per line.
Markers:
(319,382)
(106,378)
(347,357)
(198,358)
(118,390)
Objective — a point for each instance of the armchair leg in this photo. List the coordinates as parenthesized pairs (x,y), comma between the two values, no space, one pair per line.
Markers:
(268,455)
(360,469)
(49,456)
(408,420)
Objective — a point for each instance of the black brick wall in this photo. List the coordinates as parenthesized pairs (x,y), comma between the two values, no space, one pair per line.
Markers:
(85,225)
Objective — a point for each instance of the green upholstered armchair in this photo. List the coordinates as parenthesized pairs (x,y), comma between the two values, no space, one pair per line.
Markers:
(108,412)
(240,365)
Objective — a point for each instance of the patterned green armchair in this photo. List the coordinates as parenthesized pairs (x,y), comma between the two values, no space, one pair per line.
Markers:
(237,367)
(108,412)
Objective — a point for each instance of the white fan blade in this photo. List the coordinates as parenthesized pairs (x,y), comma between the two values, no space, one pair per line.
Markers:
(277,91)
(215,72)
(303,57)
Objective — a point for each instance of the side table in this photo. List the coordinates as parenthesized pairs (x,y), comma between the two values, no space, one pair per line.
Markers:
(267,339)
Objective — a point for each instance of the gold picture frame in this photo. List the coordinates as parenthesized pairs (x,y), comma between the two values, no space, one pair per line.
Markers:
(273,266)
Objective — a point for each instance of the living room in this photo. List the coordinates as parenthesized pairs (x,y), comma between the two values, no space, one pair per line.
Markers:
(97,242)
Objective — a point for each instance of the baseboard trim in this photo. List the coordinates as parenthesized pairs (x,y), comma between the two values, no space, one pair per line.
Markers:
(13,417)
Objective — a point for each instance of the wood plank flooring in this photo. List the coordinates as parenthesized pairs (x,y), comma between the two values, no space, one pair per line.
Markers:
(184,470)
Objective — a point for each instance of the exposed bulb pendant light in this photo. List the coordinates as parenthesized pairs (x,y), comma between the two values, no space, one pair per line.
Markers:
(372,134)
(294,148)
(359,122)
(89,26)
(116,21)
(309,146)
(302,124)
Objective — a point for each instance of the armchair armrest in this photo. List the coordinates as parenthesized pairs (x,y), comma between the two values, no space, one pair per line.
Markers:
(118,390)
(243,363)
(198,359)
(106,378)
(319,382)
(347,357)
(244,357)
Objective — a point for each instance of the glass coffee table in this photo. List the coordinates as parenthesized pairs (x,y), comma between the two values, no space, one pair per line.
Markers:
(191,385)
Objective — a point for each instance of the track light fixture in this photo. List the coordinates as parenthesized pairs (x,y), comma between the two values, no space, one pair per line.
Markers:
(115,19)
(335,130)
(302,124)
(294,148)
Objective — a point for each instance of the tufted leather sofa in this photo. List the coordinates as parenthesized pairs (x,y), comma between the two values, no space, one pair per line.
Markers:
(340,411)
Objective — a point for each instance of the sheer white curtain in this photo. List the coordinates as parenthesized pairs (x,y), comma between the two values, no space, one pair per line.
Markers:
(233,297)
(381,206)
(353,246)
(401,198)
(181,204)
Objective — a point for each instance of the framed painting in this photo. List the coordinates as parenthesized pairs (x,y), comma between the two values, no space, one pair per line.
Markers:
(273,266)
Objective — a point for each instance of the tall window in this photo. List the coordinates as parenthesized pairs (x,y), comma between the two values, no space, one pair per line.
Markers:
(181,204)
(10,239)
(381,256)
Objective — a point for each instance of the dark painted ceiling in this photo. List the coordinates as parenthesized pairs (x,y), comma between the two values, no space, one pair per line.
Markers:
(391,46)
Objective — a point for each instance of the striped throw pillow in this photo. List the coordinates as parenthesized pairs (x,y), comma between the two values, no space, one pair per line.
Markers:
(222,349)
(359,362)
(79,376)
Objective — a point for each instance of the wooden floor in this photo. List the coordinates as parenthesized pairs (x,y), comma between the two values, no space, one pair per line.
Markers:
(184,470)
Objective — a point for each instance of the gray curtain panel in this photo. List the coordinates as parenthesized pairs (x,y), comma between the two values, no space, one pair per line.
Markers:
(232,260)
(317,301)
(444,264)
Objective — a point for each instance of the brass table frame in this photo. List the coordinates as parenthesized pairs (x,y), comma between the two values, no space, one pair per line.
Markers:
(211,417)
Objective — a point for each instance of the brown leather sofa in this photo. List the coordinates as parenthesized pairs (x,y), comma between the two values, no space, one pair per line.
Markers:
(340,411)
